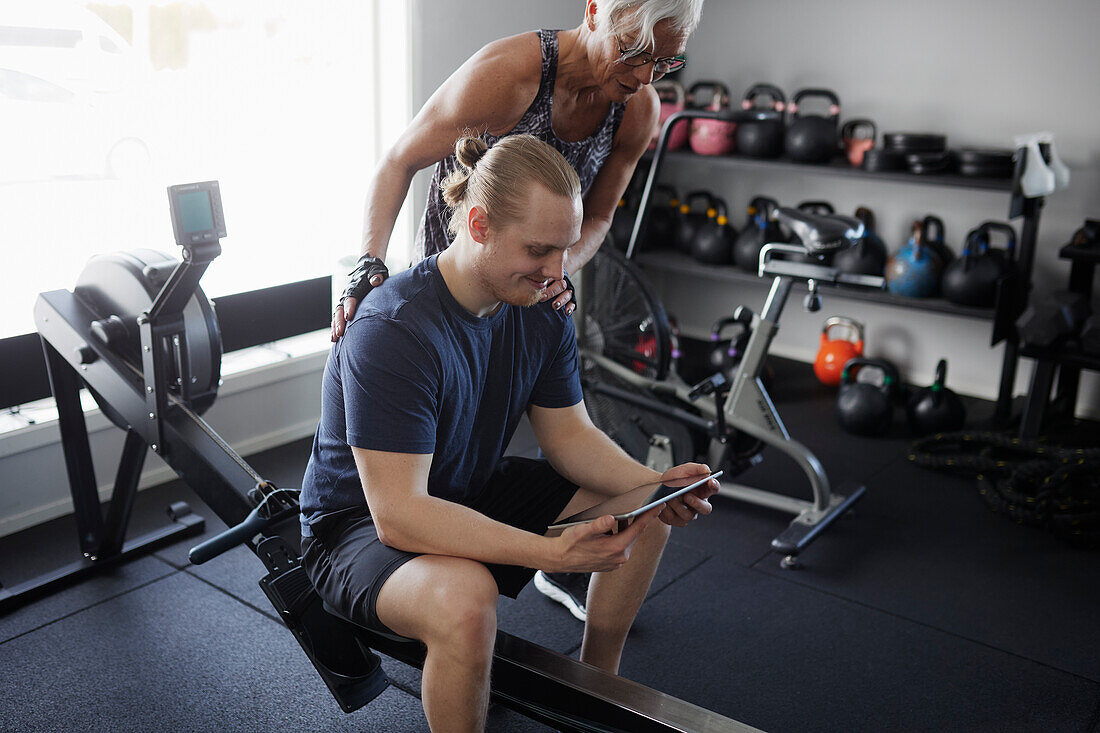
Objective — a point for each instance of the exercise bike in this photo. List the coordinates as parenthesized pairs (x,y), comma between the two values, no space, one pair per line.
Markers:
(627,352)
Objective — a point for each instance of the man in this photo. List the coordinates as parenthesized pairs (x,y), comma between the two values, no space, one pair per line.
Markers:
(420,399)
(586,91)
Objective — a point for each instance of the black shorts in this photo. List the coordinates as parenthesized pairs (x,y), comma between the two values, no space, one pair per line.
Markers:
(348,563)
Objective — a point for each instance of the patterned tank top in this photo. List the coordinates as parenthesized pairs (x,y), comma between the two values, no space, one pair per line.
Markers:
(586,156)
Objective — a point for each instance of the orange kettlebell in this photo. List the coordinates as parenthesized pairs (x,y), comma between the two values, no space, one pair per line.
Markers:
(835,353)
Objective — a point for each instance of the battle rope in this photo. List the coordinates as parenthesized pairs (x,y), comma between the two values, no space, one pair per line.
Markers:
(1035,484)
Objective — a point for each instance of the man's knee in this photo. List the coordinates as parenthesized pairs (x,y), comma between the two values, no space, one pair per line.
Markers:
(465,602)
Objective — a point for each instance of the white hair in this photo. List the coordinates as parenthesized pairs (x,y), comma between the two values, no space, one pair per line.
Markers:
(683,14)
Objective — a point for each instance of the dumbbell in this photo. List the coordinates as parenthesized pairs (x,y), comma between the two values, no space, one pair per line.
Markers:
(1059,316)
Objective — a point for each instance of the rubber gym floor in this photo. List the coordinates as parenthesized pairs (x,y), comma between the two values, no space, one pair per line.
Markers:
(923,612)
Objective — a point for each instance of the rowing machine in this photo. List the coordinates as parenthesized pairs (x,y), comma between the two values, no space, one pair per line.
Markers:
(139,333)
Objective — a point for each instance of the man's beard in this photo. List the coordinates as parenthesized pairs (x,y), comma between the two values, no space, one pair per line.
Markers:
(484,279)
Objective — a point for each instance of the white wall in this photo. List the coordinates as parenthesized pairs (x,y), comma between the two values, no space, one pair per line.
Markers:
(256,410)
(979,70)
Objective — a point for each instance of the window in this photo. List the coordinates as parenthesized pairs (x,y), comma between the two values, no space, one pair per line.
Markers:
(287,103)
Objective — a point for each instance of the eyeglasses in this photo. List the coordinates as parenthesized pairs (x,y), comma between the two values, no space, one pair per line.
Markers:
(662,65)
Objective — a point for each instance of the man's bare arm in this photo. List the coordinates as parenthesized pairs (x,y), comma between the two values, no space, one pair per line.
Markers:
(408,518)
(583,453)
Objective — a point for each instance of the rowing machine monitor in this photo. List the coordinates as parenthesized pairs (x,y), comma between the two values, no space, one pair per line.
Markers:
(197,214)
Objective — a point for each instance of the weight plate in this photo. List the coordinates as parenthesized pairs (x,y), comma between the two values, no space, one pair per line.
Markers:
(986,156)
(914,142)
(924,163)
(986,171)
(879,160)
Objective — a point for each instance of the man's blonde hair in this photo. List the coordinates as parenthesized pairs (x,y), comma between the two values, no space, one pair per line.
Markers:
(496,178)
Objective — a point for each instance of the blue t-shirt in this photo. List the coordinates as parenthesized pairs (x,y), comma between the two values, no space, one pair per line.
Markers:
(415,372)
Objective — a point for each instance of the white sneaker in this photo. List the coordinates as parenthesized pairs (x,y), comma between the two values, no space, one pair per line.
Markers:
(568,589)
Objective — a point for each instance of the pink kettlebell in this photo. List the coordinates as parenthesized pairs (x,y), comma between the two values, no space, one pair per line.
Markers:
(856,139)
(712,137)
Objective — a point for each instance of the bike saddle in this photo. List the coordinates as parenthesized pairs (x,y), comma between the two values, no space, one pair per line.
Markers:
(821,232)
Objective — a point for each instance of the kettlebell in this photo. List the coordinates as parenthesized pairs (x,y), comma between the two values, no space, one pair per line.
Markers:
(714,241)
(711,137)
(725,354)
(868,256)
(856,141)
(932,234)
(1005,258)
(865,406)
(834,353)
(935,409)
(671,95)
(664,218)
(693,214)
(760,129)
(812,138)
(760,229)
(972,279)
(914,270)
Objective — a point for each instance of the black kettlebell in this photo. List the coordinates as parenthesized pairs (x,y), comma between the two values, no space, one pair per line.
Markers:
(725,354)
(664,217)
(693,214)
(760,128)
(935,409)
(868,255)
(760,228)
(714,241)
(1005,258)
(932,234)
(813,138)
(972,279)
(865,406)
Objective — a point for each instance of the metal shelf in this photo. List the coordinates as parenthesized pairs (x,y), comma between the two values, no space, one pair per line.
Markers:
(1068,355)
(840,167)
(679,263)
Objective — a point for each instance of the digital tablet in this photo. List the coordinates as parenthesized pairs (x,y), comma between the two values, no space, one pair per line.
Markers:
(657,493)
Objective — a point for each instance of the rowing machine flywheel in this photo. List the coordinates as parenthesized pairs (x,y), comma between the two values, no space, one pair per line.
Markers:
(123,285)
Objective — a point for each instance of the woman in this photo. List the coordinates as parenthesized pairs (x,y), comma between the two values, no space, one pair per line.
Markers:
(585,91)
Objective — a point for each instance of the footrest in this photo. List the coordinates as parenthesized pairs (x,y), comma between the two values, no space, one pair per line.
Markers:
(351,671)
(801,533)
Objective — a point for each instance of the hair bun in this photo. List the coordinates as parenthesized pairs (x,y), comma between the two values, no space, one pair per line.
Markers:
(469,150)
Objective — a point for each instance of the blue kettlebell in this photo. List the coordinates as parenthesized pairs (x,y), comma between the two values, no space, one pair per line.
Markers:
(914,271)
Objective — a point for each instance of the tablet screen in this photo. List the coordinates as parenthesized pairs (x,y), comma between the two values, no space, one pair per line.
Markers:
(651,495)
